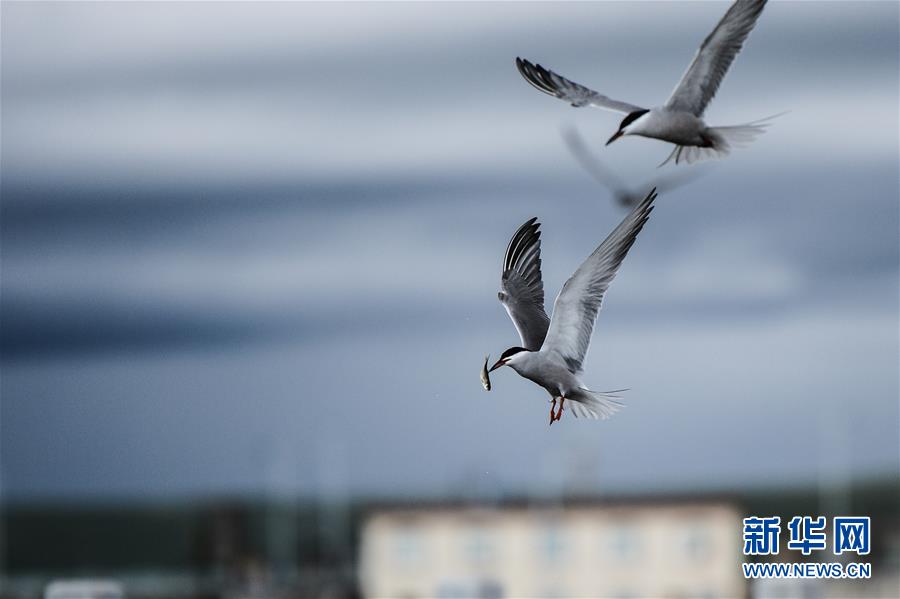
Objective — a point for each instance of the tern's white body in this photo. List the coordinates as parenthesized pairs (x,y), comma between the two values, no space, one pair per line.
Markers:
(677,127)
(548,370)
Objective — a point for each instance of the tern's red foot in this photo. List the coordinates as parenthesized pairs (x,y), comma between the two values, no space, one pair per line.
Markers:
(562,401)
(552,407)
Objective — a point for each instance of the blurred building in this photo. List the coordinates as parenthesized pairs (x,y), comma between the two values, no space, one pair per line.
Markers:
(667,548)
(481,545)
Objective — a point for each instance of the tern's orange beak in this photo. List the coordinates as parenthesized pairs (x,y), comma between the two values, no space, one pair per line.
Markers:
(499,363)
(615,136)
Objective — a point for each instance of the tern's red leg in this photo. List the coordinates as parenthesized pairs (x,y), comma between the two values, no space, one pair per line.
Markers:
(562,401)
(552,407)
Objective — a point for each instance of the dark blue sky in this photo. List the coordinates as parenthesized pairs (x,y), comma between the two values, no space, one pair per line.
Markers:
(256,248)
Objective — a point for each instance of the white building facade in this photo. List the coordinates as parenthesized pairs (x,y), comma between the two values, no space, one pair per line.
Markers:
(666,549)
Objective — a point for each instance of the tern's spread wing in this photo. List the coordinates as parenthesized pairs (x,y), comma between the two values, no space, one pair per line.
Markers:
(593,165)
(699,83)
(577,305)
(577,95)
(675,179)
(522,289)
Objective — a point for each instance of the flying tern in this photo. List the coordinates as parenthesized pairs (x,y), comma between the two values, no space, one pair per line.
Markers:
(553,350)
(624,195)
(680,119)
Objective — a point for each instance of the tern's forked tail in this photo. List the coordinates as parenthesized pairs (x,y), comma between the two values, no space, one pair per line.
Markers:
(595,404)
(722,139)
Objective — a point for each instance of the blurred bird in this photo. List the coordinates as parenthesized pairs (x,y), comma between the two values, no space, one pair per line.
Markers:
(553,351)
(625,196)
(679,120)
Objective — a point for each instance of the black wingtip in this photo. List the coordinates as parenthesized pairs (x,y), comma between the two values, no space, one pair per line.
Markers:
(651,197)
(525,236)
(647,205)
(537,76)
(522,66)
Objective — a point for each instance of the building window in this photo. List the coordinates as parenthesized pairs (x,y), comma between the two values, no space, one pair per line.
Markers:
(490,589)
(696,542)
(408,546)
(551,542)
(453,590)
(469,589)
(479,544)
(624,542)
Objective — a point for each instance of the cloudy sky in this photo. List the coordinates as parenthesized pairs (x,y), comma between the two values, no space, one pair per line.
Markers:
(256,248)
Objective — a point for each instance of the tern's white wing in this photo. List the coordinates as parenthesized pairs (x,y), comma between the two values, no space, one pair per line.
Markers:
(522,289)
(575,94)
(577,305)
(699,83)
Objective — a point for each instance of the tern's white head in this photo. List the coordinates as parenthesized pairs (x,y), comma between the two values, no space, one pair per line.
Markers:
(630,125)
(511,356)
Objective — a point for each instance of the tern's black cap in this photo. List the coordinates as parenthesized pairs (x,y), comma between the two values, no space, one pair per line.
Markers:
(632,117)
(511,352)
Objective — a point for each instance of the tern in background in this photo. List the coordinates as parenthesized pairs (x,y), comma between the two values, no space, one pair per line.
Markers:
(625,196)
(553,350)
(680,119)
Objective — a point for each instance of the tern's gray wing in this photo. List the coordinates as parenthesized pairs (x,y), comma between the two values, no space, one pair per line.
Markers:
(699,83)
(577,305)
(603,175)
(675,179)
(522,289)
(575,94)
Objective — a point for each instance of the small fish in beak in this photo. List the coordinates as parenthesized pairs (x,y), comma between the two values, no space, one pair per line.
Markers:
(485,377)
